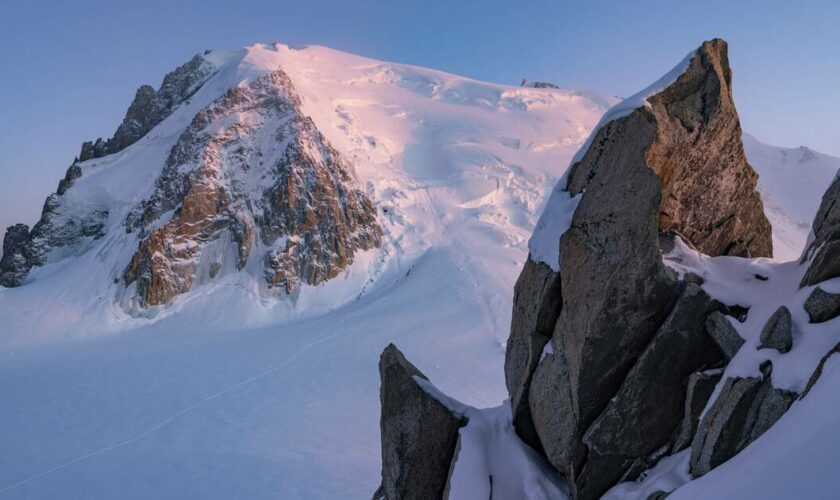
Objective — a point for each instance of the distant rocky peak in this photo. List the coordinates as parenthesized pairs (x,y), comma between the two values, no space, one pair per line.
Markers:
(253,171)
(151,106)
(537,84)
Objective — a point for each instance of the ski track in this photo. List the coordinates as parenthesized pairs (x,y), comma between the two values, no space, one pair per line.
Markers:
(174,417)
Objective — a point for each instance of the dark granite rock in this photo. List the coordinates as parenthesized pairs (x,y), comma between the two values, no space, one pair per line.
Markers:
(536,305)
(724,334)
(699,390)
(642,416)
(87,151)
(15,264)
(823,253)
(778,331)
(719,432)
(420,435)
(822,306)
(744,410)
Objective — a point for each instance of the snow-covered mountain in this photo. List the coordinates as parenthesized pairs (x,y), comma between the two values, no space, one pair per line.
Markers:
(653,344)
(457,170)
(790,180)
(200,311)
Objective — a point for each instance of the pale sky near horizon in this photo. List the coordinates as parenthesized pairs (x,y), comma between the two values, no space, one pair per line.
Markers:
(68,70)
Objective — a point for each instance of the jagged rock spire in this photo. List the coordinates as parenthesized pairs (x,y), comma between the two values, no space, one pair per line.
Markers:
(604,398)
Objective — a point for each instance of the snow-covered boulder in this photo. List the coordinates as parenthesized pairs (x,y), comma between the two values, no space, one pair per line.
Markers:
(822,306)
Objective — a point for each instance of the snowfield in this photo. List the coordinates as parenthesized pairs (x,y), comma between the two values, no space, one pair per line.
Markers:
(232,393)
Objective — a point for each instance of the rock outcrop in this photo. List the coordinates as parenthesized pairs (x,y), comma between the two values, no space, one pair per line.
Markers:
(611,390)
(14,265)
(744,410)
(150,107)
(822,306)
(778,331)
(700,388)
(420,434)
(823,252)
(536,304)
(271,183)
(724,334)
(60,226)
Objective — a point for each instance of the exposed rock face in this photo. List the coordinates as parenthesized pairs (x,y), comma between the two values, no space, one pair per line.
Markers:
(270,182)
(14,265)
(744,410)
(724,334)
(59,227)
(778,331)
(700,388)
(823,252)
(250,183)
(613,391)
(420,435)
(822,306)
(536,302)
(708,189)
(151,107)
(73,173)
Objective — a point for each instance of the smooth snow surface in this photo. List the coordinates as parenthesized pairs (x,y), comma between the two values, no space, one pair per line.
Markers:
(228,393)
(791,182)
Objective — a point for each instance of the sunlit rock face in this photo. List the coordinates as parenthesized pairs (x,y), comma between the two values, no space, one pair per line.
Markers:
(251,173)
(626,334)
(151,107)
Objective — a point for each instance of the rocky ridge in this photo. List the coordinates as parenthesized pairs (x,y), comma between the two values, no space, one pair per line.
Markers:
(271,182)
(60,226)
(250,185)
(614,358)
(150,107)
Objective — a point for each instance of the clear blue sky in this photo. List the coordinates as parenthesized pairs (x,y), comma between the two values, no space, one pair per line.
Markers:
(68,70)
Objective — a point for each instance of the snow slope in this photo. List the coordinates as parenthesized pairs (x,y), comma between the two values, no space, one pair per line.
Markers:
(227,393)
(791,182)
